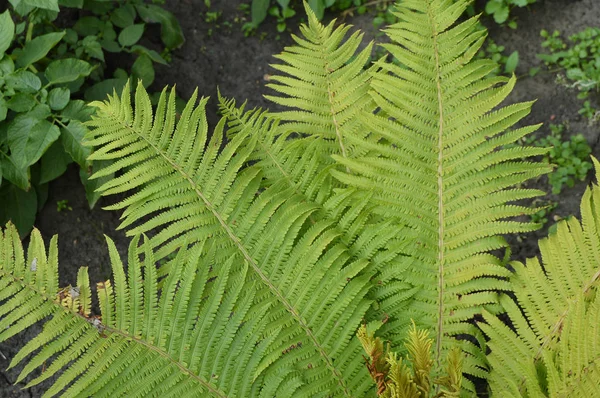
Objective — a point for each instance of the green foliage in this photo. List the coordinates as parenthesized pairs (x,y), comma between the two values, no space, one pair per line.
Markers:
(45,72)
(374,197)
(507,64)
(578,60)
(552,348)
(500,10)
(570,158)
(410,377)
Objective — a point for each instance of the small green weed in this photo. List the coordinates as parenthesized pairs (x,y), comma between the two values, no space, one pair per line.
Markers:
(579,61)
(500,10)
(507,64)
(62,205)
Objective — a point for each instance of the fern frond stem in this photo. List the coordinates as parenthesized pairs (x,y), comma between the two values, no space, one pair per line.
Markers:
(440,181)
(558,326)
(236,241)
(330,95)
(127,336)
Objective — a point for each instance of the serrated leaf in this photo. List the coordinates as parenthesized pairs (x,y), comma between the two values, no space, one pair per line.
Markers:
(21,102)
(7,31)
(131,35)
(67,70)
(51,5)
(170,30)
(24,81)
(58,98)
(37,48)
(72,138)
(78,110)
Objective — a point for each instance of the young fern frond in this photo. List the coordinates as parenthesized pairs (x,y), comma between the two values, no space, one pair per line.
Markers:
(199,194)
(435,163)
(410,377)
(553,347)
(324,86)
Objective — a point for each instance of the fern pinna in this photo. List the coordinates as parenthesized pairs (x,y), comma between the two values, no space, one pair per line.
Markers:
(376,197)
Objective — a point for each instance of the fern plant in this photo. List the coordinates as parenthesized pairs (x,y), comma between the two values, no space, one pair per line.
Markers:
(375,198)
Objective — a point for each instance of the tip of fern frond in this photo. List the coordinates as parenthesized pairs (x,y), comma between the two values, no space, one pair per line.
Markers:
(596,168)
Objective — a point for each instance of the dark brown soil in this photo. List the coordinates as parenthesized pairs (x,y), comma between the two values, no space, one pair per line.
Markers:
(237,65)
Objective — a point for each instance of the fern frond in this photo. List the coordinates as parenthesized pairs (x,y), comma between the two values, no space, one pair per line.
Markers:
(202,194)
(324,86)
(553,346)
(436,164)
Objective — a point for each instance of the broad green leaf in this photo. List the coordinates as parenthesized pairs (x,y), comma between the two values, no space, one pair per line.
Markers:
(7,66)
(501,15)
(51,5)
(512,62)
(13,173)
(143,70)
(100,91)
(170,30)
(29,138)
(318,6)
(91,185)
(92,47)
(7,31)
(71,3)
(123,16)
(156,57)
(21,102)
(18,206)
(58,98)
(259,11)
(131,35)
(24,81)
(492,6)
(72,137)
(37,48)
(67,70)
(88,26)
(54,162)
(3,109)
(77,110)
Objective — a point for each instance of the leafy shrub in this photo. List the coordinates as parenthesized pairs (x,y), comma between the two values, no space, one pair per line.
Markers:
(46,73)
(375,197)
(578,60)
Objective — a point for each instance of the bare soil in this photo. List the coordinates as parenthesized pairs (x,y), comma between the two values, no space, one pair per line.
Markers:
(221,57)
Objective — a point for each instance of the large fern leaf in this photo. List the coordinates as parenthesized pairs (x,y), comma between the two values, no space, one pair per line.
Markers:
(553,347)
(436,164)
(196,192)
(192,339)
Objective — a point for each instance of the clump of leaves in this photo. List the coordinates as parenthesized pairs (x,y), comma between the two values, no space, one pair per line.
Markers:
(578,60)
(570,157)
(411,376)
(507,64)
(500,10)
(46,73)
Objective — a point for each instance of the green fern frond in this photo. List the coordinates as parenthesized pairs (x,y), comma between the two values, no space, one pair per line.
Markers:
(436,164)
(189,340)
(324,86)
(553,346)
(198,193)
